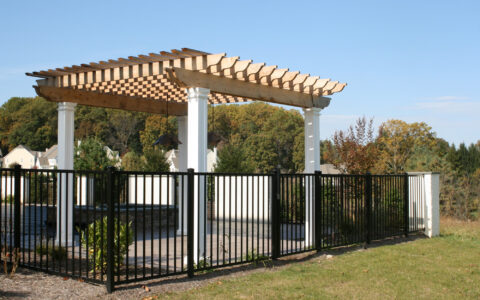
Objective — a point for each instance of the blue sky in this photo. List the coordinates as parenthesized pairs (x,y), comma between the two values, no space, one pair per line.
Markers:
(409,60)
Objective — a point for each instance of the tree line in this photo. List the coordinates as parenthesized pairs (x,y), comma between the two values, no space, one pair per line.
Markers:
(398,147)
(255,137)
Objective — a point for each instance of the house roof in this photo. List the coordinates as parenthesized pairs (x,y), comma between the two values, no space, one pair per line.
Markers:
(329,169)
(32,152)
(51,152)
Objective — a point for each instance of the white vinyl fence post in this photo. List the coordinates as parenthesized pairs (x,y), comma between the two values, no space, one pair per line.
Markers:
(432,204)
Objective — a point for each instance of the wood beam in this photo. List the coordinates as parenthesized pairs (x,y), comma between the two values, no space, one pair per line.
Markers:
(186,78)
(95,99)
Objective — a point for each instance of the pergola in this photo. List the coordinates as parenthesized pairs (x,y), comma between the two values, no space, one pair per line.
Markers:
(189,80)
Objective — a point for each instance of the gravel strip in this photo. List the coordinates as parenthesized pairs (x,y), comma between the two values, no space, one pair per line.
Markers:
(28,284)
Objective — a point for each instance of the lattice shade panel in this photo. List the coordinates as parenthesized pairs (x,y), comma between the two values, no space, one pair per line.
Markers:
(164,76)
(156,87)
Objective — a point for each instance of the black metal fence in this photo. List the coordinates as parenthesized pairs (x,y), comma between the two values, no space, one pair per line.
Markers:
(115,227)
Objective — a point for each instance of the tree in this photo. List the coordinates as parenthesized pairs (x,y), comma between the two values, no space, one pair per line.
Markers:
(284,127)
(91,122)
(131,161)
(28,121)
(154,161)
(155,126)
(465,160)
(397,141)
(91,155)
(327,152)
(298,155)
(231,159)
(356,150)
(124,125)
(269,135)
(430,157)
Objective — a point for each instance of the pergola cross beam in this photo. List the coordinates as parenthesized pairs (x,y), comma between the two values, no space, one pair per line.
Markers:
(227,86)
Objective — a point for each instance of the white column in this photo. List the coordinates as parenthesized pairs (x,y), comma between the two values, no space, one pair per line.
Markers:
(432,204)
(312,164)
(312,139)
(66,117)
(197,159)
(182,167)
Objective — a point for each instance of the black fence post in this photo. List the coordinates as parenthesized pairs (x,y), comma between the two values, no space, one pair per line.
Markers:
(406,204)
(16,217)
(110,229)
(317,217)
(276,214)
(368,204)
(190,221)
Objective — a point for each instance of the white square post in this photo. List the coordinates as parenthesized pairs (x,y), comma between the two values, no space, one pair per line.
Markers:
(197,160)
(66,117)
(432,204)
(312,164)
(182,167)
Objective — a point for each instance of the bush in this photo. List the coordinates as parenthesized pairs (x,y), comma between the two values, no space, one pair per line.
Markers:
(390,209)
(54,252)
(40,187)
(202,264)
(96,234)
(8,199)
(292,205)
(256,257)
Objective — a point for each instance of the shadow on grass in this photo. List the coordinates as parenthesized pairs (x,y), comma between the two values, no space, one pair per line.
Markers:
(210,274)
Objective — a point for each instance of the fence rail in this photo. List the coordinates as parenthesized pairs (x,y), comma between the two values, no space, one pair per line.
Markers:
(115,227)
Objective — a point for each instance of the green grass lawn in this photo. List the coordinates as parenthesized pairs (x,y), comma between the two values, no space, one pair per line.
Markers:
(446,267)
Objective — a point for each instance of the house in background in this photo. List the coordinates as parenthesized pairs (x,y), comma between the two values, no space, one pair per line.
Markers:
(30,159)
(329,169)
(24,156)
(113,155)
(172,159)
(48,159)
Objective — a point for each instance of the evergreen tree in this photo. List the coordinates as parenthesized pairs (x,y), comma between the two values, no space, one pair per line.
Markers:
(91,155)
(232,159)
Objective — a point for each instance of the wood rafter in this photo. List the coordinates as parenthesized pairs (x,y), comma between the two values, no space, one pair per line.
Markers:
(158,77)
(110,101)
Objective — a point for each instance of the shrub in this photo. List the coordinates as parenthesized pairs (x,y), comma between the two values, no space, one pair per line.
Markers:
(202,264)
(256,257)
(96,234)
(54,252)
(14,259)
(8,199)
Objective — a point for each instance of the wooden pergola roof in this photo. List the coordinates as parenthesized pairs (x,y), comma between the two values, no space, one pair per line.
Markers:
(146,82)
